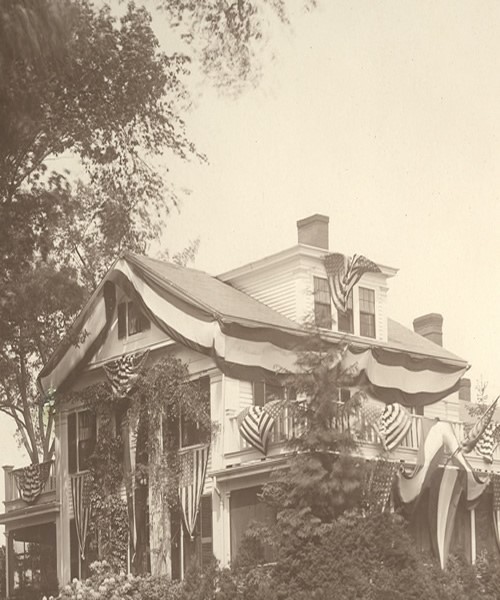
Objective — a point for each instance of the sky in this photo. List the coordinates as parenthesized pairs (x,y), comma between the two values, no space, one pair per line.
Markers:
(384,116)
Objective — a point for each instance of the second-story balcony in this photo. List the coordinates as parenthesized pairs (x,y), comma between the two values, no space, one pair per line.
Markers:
(289,425)
(39,494)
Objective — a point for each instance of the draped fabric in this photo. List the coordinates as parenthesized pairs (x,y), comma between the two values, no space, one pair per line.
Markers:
(495,483)
(31,480)
(440,438)
(256,423)
(123,372)
(80,494)
(254,346)
(193,469)
(129,436)
(398,377)
(391,422)
(447,486)
(378,483)
(478,429)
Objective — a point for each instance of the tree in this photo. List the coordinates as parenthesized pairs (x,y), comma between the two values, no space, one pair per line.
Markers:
(74,79)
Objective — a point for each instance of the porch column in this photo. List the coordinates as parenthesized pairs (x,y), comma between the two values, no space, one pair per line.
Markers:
(62,480)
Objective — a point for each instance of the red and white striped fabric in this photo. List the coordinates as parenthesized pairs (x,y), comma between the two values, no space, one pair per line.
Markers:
(193,470)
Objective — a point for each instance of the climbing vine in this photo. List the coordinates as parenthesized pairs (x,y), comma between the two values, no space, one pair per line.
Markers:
(163,407)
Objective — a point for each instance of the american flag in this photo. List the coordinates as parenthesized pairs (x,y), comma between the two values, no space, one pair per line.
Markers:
(344,273)
(479,428)
(80,493)
(193,469)
(394,425)
(258,422)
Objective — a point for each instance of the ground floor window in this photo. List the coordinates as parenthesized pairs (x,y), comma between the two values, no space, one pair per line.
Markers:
(187,551)
(245,508)
(32,562)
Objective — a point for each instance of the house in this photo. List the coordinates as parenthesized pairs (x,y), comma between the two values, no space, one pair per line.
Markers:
(236,332)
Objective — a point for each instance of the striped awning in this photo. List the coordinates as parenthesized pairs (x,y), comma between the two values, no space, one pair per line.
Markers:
(241,347)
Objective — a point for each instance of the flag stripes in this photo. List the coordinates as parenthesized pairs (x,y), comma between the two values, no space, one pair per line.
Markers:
(123,372)
(478,429)
(31,480)
(257,422)
(192,472)
(344,273)
(394,424)
(80,494)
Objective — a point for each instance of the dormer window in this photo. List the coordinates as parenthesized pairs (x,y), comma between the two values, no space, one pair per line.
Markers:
(366,312)
(346,319)
(322,303)
(131,320)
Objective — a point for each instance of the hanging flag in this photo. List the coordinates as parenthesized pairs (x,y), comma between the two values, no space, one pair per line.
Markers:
(487,443)
(124,371)
(495,483)
(447,486)
(257,422)
(192,472)
(344,273)
(440,438)
(31,480)
(378,484)
(82,506)
(129,436)
(394,424)
(478,429)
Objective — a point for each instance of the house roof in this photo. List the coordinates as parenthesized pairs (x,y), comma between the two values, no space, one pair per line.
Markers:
(221,298)
(246,339)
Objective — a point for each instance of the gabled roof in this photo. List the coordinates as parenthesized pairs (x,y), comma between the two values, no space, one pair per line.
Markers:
(218,297)
(246,339)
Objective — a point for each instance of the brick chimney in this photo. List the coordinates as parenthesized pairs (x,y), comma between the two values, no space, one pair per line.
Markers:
(313,231)
(430,326)
(464,390)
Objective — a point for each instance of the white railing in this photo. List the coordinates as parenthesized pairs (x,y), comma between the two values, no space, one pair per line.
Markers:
(11,489)
(289,424)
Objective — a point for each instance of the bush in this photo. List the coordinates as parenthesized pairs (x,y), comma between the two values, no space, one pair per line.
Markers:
(106,585)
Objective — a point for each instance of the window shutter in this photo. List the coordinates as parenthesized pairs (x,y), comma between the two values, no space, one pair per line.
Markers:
(206,530)
(122,320)
(72,466)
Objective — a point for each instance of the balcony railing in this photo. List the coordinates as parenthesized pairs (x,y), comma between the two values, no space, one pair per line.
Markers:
(289,424)
(12,491)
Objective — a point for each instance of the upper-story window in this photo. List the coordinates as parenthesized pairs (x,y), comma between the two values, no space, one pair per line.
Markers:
(366,312)
(190,427)
(131,320)
(264,392)
(322,303)
(346,319)
(81,440)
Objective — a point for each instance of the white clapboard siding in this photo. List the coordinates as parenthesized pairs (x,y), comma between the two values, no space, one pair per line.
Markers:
(276,289)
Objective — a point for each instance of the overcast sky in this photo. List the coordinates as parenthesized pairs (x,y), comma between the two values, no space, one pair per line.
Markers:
(383,115)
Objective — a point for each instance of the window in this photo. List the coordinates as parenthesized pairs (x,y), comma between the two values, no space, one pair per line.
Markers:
(191,430)
(366,312)
(131,320)
(322,303)
(346,319)
(81,440)
(265,392)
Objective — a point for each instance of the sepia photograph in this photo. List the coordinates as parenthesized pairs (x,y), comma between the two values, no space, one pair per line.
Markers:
(249,307)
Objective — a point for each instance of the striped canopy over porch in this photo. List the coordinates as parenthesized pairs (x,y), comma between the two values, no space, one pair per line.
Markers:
(245,338)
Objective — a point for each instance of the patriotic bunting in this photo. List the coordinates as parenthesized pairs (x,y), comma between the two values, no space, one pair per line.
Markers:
(440,438)
(257,422)
(82,506)
(193,469)
(495,483)
(447,486)
(344,273)
(31,480)
(124,371)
